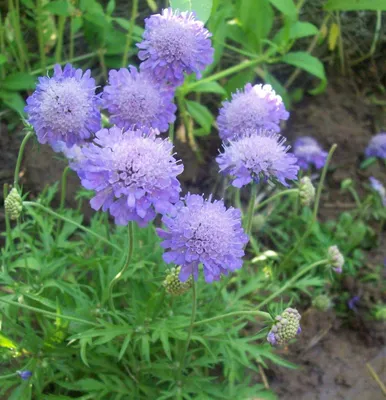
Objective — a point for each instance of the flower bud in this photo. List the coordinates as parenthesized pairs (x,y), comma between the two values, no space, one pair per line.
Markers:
(322,302)
(173,285)
(380,313)
(335,259)
(306,191)
(286,327)
(13,204)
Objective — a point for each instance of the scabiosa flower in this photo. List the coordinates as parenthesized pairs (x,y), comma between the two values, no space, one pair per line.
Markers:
(133,174)
(378,187)
(286,327)
(202,231)
(136,99)
(335,259)
(377,146)
(73,154)
(64,107)
(258,157)
(309,152)
(256,107)
(175,43)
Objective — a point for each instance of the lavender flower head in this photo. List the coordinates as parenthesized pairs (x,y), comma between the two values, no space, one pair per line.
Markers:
(202,231)
(378,187)
(133,175)
(64,107)
(136,99)
(377,146)
(25,375)
(285,328)
(175,43)
(309,152)
(257,157)
(256,107)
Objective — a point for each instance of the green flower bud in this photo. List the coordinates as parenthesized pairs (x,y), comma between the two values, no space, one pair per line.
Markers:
(306,191)
(286,327)
(322,302)
(173,285)
(258,221)
(335,259)
(346,183)
(13,204)
(380,313)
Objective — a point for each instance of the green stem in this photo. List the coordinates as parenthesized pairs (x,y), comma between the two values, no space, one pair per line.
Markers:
(190,331)
(251,208)
(9,242)
(262,314)
(71,50)
(20,158)
(70,221)
(276,196)
(171,132)
(224,73)
(101,56)
(289,256)
(290,282)
(64,187)
(4,377)
(39,27)
(125,266)
(2,46)
(59,43)
(134,12)
(47,313)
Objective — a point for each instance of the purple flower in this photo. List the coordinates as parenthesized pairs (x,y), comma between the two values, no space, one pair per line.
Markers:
(175,43)
(309,152)
(25,375)
(352,303)
(64,107)
(73,154)
(202,231)
(133,174)
(378,187)
(257,107)
(335,259)
(271,338)
(377,146)
(135,99)
(258,157)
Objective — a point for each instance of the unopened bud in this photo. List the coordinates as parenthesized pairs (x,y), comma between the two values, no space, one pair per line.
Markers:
(173,285)
(306,191)
(13,204)
(285,328)
(335,259)
(322,302)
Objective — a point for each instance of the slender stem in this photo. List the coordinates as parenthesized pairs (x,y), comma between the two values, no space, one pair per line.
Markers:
(9,242)
(290,282)
(8,376)
(117,277)
(72,33)
(2,46)
(20,158)
(64,187)
(39,27)
(134,12)
(261,314)
(276,196)
(59,43)
(315,210)
(70,221)
(225,72)
(101,56)
(251,209)
(190,331)
(47,313)
(171,132)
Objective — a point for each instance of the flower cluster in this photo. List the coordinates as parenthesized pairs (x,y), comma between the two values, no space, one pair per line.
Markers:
(203,231)
(13,204)
(335,259)
(306,191)
(257,107)
(256,157)
(286,327)
(175,43)
(64,107)
(133,174)
(308,152)
(377,146)
(173,285)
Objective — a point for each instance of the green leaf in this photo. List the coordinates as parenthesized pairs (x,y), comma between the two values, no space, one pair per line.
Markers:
(287,7)
(13,100)
(165,343)
(302,29)
(351,5)
(19,81)
(110,7)
(152,5)
(200,114)
(309,63)
(202,8)
(7,343)
(209,87)
(59,7)
(3,59)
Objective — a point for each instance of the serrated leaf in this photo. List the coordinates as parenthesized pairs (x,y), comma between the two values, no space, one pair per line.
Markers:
(165,343)
(200,114)
(124,347)
(352,5)
(202,8)
(83,350)
(145,348)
